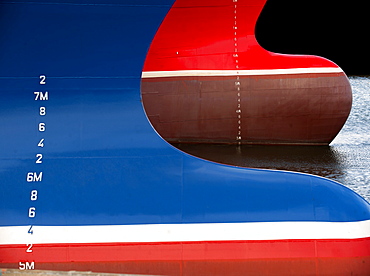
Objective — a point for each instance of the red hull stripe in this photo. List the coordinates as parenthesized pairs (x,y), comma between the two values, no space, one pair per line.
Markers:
(185,251)
(196,45)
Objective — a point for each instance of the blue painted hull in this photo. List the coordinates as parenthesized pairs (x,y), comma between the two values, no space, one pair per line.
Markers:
(77,149)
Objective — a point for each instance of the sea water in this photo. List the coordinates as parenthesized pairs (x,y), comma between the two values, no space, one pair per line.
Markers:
(346,159)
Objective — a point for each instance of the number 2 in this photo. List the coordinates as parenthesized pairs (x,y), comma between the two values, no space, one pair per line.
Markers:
(42,79)
(39,158)
(29,248)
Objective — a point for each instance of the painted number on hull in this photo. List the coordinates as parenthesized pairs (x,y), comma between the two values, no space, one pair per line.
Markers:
(33,195)
(41,96)
(29,248)
(26,265)
(42,79)
(42,111)
(42,127)
(32,212)
(39,158)
(41,143)
(34,177)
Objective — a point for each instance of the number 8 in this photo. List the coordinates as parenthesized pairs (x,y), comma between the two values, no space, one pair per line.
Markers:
(42,111)
(34,195)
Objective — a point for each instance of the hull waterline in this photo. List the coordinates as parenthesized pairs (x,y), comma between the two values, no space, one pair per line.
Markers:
(87,184)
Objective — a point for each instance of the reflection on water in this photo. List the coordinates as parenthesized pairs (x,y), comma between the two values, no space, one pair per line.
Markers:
(320,159)
(346,160)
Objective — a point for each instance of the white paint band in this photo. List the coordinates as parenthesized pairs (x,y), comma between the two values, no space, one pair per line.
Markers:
(215,73)
(184,232)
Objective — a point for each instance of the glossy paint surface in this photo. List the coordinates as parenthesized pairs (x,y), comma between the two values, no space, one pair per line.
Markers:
(86,156)
(209,81)
(207,41)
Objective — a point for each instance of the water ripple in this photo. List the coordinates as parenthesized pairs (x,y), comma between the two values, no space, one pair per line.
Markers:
(346,160)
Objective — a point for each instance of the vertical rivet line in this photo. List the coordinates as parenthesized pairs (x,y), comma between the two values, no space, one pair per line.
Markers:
(237,81)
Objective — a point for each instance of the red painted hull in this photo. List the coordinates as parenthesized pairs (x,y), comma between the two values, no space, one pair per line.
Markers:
(278,257)
(225,88)
(102,192)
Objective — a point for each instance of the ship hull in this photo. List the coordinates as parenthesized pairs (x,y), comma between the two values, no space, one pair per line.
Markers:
(88,184)
(300,109)
(198,249)
(209,81)
(200,258)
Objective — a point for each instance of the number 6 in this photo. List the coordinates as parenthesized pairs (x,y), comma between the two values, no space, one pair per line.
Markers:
(41,127)
(32,212)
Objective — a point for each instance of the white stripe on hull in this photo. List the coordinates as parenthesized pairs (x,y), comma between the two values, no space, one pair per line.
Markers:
(185,232)
(215,73)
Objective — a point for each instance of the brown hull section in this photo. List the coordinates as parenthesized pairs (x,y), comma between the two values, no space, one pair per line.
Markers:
(267,109)
(280,267)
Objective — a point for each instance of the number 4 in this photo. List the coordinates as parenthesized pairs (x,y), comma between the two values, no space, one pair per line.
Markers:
(41,143)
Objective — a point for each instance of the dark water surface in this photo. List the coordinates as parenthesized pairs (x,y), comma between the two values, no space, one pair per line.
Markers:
(346,159)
